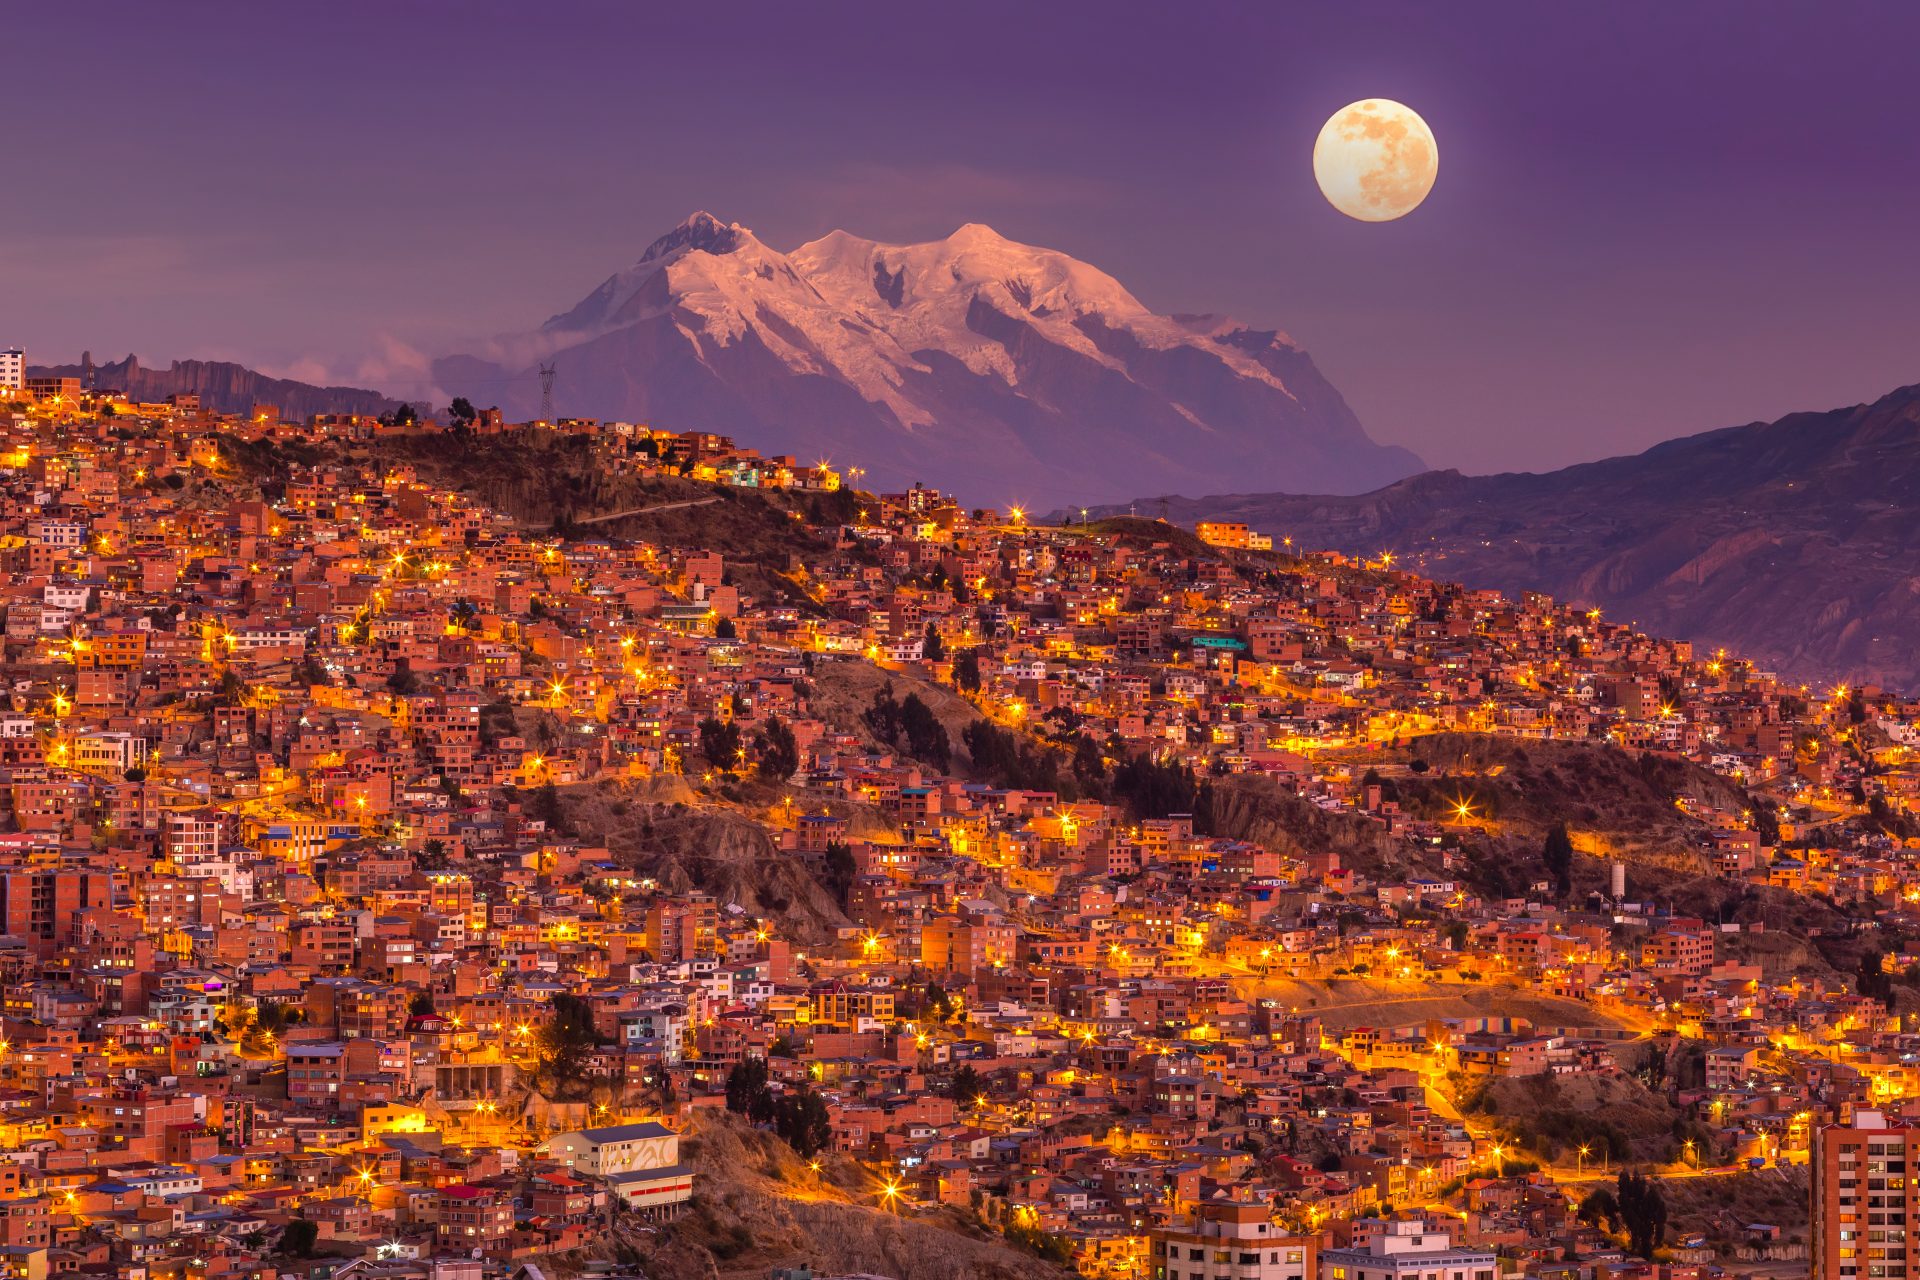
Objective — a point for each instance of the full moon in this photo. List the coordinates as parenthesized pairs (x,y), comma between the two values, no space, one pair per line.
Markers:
(1375,160)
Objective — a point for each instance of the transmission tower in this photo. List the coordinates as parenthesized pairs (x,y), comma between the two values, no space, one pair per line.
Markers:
(546,393)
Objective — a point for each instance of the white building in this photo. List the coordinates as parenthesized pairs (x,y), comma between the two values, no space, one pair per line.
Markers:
(1407,1250)
(13,369)
(640,1163)
(1230,1241)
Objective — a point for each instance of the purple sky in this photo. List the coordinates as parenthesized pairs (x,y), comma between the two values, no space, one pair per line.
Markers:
(1651,218)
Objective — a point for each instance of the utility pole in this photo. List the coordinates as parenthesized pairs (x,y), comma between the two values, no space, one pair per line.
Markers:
(546,393)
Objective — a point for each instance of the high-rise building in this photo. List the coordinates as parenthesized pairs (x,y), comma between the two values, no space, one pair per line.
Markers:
(1407,1249)
(1231,1241)
(42,906)
(1864,1198)
(13,369)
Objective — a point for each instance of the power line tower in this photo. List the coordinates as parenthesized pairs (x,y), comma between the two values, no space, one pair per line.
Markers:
(546,393)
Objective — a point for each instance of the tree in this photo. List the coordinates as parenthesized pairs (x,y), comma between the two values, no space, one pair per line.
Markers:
(1599,1208)
(934,648)
(403,681)
(1642,1211)
(421,1006)
(547,808)
(801,1118)
(1023,1233)
(841,871)
(966,1085)
(564,1043)
(311,671)
(1872,979)
(966,670)
(1151,789)
(297,1238)
(725,629)
(461,414)
(779,754)
(720,742)
(1557,853)
(910,727)
(748,1093)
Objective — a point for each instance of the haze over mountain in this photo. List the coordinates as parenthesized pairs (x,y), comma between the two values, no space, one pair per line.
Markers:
(999,370)
(226,387)
(1796,542)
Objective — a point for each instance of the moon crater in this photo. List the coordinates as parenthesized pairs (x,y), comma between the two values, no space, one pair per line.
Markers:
(1375,160)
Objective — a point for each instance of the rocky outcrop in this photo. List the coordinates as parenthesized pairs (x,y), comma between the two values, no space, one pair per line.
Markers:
(713,850)
(227,388)
(758,1206)
(1247,807)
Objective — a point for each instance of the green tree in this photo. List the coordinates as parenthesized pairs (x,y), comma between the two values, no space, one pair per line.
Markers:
(720,742)
(1643,1211)
(311,671)
(1872,979)
(802,1120)
(1557,853)
(748,1093)
(547,808)
(910,727)
(779,754)
(841,871)
(1042,1244)
(297,1237)
(966,1085)
(1151,789)
(563,1044)
(1599,1208)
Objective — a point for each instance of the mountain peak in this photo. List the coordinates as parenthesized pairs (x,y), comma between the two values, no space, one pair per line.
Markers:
(974,361)
(976,233)
(701,232)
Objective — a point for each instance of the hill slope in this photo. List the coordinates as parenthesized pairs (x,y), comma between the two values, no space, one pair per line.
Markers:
(227,387)
(1001,370)
(1794,541)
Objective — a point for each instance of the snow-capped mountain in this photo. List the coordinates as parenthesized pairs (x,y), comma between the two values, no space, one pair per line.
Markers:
(999,370)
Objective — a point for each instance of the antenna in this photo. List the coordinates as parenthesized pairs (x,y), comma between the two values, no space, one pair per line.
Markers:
(546,393)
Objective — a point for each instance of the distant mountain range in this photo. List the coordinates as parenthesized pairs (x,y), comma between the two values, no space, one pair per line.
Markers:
(226,387)
(1796,542)
(998,370)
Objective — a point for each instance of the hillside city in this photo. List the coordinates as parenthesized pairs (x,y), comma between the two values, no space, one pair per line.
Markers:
(771,874)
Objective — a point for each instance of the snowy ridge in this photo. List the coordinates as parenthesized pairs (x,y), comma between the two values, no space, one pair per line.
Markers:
(957,343)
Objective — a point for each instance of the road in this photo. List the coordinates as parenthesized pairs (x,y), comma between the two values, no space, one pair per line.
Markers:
(641,511)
